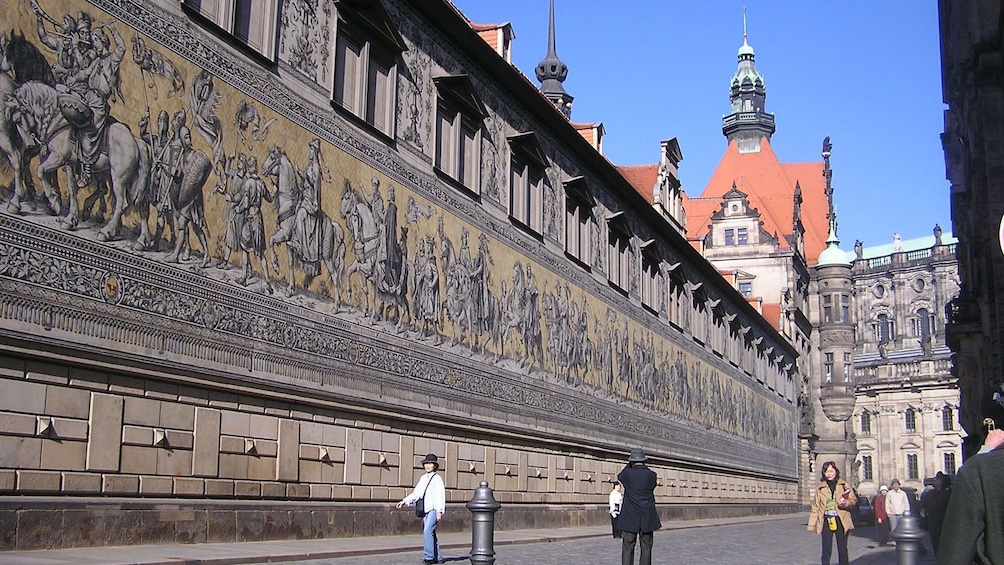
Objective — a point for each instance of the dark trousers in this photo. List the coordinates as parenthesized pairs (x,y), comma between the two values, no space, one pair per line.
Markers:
(645,541)
(828,536)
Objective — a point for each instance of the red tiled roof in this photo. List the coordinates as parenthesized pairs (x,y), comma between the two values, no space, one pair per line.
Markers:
(772,313)
(642,178)
(485,27)
(770,186)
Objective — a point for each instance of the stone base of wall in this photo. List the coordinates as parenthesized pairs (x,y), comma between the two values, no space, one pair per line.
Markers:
(30,523)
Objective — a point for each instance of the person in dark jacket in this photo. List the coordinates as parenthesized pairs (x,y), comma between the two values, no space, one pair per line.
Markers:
(935,502)
(973,531)
(638,518)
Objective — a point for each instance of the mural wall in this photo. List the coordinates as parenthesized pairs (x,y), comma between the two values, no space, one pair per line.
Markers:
(168,201)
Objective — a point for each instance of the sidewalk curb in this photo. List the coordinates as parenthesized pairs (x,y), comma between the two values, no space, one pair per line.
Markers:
(277,551)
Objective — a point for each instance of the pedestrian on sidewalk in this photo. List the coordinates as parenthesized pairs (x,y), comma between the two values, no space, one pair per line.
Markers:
(934,503)
(881,518)
(638,519)
(616,498)
(830,515)
(896,504)
(429,499)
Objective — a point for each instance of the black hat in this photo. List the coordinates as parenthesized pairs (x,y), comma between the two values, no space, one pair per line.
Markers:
(431,458)
(637,455)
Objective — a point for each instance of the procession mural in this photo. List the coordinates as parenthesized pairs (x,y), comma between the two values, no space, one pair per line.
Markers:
(153,156)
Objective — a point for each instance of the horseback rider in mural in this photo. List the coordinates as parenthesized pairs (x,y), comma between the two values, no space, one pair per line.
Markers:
(305,240)
(72,43)
(88,86)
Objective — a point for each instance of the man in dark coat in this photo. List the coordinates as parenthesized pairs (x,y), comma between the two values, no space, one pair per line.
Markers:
(973,531)
(638,518)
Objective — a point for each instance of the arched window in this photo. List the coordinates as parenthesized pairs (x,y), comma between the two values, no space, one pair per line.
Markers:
(947,419)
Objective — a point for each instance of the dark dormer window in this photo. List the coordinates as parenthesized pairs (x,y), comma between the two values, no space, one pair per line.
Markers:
(459,118)
(651,275)
(579,206)
(527,181)
(367,48)
(250,23)
(618,251)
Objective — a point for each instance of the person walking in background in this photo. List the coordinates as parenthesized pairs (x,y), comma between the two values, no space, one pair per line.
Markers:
(429,497)
(896,504)
(638,519)
(616,498)
(830,515)
(973,531)
(881,518)
(935,502)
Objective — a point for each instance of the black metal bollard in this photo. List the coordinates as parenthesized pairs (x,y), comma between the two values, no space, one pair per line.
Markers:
(908,537)
(483,507)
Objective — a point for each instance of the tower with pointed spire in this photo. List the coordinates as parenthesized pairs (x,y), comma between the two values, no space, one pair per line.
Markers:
(749,121)
(832,288)
(551,72)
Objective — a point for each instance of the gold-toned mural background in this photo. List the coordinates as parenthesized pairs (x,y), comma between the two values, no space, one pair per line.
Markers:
(112,136)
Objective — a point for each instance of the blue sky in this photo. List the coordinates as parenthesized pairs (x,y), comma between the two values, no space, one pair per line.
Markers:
(865,73)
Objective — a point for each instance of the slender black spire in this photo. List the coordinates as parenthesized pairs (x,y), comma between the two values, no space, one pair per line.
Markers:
(551,72)
(749,120)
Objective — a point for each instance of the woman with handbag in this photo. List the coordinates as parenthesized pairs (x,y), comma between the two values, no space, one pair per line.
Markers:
(429,498)
(831,515)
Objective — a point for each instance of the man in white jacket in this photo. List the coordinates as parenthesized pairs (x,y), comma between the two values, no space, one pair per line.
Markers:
(896,504)
(430,492)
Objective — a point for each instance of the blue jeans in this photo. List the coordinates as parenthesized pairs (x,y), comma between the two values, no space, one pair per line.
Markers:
(431,542)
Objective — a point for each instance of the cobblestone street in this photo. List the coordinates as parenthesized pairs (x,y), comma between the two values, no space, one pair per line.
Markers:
(771,542)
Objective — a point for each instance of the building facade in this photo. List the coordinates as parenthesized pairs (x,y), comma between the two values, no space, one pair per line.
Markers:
(764,225)
(255,265)
(906,417)
(972,71)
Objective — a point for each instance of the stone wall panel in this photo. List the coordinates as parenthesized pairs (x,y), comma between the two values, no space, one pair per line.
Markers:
(176,373)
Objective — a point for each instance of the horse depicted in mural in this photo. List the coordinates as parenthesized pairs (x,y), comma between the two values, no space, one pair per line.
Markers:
(126,162)
(393,279)
(330,236)
(454,306)
(20,62)
(365,235)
